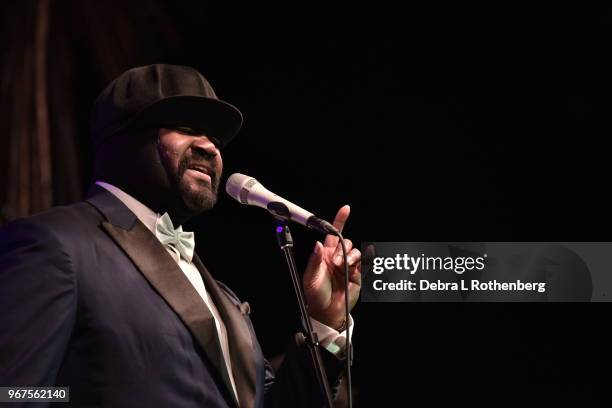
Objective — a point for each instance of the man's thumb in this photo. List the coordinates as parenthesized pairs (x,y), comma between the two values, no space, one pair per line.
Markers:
(316,258)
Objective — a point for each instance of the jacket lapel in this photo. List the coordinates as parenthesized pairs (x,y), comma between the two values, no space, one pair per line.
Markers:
(162,272)
(239,338)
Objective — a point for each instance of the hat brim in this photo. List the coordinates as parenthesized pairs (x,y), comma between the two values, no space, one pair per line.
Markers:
(213,117)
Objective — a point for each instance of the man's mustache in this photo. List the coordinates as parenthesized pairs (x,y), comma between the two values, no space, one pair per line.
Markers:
(187,163)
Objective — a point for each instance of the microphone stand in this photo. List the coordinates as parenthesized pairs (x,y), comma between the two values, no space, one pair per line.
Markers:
(285,242)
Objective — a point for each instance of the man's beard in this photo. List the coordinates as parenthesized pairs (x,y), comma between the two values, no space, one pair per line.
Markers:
(203,198)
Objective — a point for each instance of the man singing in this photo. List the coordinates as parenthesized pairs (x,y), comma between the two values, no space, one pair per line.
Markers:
(108,296)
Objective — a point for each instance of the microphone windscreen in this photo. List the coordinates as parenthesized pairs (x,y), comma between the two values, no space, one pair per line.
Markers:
(238,186)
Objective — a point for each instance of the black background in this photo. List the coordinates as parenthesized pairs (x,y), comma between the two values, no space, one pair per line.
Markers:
(435,123)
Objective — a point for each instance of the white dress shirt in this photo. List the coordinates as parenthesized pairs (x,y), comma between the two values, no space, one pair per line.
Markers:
(329,338)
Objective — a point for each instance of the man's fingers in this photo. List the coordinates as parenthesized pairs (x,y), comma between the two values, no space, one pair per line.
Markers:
(354,263)
(337,257)
(339,222)
(353,257)
(355,273)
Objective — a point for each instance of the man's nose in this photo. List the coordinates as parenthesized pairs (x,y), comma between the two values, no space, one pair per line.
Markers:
(204,147)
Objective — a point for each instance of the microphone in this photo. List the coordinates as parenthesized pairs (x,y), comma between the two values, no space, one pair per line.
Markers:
(247,190)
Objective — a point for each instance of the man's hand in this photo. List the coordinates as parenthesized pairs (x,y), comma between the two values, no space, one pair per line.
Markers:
(324,277)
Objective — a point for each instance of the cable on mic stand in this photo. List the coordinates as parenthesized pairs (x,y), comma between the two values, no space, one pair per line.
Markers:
(349,347)
(285,242)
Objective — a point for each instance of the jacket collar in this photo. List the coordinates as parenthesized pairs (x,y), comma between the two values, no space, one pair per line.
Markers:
(112,208)
(166,277)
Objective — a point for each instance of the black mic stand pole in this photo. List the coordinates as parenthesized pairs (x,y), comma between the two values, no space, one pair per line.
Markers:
(285,242)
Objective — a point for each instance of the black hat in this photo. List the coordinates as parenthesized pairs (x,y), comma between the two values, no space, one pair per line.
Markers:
(162,95)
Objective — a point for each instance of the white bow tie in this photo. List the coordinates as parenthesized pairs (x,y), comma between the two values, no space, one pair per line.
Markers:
(176,239)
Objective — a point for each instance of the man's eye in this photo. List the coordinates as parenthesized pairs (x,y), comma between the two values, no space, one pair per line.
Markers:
(216,142)
(185,130)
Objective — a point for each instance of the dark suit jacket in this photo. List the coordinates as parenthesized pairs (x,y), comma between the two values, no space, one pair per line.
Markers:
(90,299)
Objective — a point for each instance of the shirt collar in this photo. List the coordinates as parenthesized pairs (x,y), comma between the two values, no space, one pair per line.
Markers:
(147,216)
